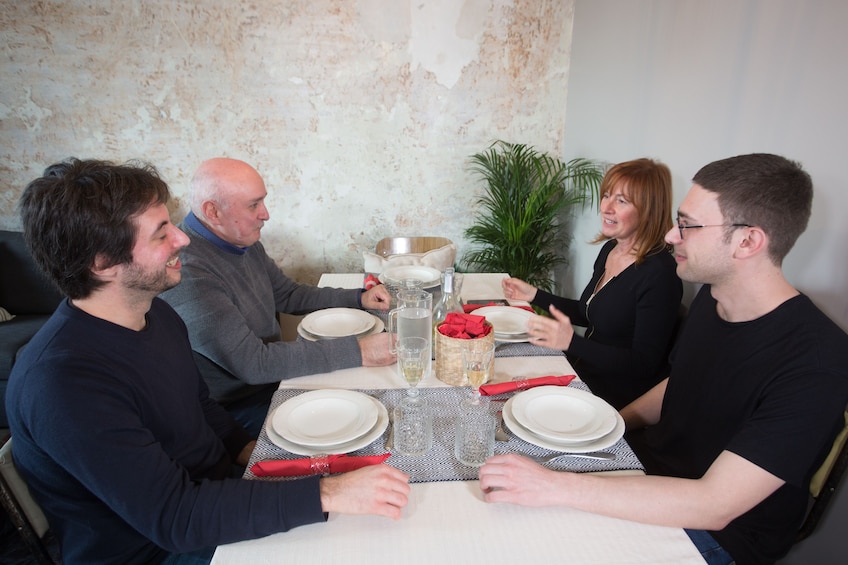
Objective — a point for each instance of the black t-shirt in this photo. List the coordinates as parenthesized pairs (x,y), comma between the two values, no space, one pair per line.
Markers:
(772,390)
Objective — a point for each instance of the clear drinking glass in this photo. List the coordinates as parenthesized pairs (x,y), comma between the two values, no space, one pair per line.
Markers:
(478,357)
(413,420)
(475,438)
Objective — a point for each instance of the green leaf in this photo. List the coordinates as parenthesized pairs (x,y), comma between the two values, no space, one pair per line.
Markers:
(517,227)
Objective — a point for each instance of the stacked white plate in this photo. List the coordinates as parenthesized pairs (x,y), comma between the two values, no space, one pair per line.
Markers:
(563,419)
(332,323)
(510,323)
(327,421)
(428,276)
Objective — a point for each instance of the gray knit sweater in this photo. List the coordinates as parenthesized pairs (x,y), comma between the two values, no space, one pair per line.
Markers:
(229,302)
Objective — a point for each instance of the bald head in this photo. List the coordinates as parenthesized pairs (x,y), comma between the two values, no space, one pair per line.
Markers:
(228,196)
(217,179)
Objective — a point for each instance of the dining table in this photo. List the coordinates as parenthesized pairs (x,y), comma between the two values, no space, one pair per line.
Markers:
(446,518)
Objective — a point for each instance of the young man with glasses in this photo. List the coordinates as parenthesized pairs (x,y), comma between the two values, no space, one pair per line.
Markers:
(757,390)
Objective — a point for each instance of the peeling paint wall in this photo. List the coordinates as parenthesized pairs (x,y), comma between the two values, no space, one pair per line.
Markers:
(359,114)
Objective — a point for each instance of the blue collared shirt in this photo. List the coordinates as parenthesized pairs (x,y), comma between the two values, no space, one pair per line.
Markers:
(195,224)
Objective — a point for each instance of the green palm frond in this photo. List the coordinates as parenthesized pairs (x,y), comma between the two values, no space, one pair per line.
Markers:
(517,229)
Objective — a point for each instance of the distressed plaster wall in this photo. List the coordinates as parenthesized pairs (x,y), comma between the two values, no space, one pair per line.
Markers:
(360,114)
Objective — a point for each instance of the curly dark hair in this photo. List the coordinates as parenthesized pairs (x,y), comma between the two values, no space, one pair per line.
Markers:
(82,210)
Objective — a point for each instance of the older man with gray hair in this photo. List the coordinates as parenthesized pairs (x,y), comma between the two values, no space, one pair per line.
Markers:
(232,291)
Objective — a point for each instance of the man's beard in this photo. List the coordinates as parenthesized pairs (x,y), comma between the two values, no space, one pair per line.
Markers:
(148,281)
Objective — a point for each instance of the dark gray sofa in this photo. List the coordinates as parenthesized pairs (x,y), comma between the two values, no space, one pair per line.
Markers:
(26,293)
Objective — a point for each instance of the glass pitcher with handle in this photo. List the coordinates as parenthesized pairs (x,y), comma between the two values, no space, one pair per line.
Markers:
(413,317)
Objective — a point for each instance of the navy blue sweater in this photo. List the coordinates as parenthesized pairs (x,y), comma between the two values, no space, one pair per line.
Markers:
(121,445)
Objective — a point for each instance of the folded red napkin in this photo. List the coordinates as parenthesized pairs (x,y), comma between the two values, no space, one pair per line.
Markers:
(464,326)
(371,281)
(510,386)
(471,307)
(317,465)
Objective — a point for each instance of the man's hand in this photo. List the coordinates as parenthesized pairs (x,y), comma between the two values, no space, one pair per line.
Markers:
(376,298)
(517,480)
(379,489)
(375,350)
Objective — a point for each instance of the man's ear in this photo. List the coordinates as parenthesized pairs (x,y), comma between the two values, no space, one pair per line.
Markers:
(211,212)
(755,241)
(102,268)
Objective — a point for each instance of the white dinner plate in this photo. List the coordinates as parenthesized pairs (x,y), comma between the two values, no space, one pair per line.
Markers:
(519,338)
(319,418)
(428,276)
(338,322)
(507,321)
(358,443)
(563,415)
(595,445)
(379,326)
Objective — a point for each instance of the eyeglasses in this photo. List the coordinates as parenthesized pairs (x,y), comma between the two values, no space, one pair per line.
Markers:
(681,227)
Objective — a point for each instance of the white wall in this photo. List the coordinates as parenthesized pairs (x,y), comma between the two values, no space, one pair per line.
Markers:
(689,82)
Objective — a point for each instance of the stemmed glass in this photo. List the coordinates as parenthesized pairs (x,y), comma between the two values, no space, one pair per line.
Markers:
(413,421)
(478,357)
(412,355)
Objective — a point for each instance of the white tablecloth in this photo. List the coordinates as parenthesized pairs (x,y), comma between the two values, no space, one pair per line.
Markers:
(448,522)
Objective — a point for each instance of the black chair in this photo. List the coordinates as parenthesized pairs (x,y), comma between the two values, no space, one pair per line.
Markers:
(824,483)
(24,513)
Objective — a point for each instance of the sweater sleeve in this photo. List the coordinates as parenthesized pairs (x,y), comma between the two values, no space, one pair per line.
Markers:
(568,306)
(576,309)
(229,306)
(125,467)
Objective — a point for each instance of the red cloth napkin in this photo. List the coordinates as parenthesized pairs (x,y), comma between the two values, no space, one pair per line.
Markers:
(510,386)
(471,307)
(464,326)
(371,281)
(317,465)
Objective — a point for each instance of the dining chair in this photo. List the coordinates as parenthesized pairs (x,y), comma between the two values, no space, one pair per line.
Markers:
(429,251)
(825,481)
(24,512)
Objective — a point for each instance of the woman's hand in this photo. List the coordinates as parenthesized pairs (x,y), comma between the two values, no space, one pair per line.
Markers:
(517,289)
(556,332)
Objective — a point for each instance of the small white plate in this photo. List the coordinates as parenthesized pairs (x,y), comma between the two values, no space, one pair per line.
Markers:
(428,276)
(358,443)
(507,321)
(563,415)
(338,322)
(379,326)
(319,418)
(595,445)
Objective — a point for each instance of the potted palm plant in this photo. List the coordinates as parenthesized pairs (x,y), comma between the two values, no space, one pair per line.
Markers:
(527,198)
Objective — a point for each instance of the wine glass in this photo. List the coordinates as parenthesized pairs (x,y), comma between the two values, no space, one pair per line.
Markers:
(412,355)
(478,357)
(413,426)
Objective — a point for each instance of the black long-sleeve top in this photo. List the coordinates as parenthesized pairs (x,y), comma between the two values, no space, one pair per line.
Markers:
(629,324)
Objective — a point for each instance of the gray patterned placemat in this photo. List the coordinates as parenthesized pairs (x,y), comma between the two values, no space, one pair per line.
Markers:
(439,464)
